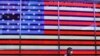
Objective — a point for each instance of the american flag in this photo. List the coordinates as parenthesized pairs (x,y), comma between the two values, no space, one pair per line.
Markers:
(35,26)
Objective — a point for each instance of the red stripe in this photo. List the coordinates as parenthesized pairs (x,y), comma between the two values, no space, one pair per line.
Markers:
(98,5)
(46,52)
(70,13)
(9,42)
(71,4)
(47,22)
(84,52)
(9,52)
(42,55)
(48,42)
(55,42)
(47,55)
(38,55)
(70,32)
(28,52)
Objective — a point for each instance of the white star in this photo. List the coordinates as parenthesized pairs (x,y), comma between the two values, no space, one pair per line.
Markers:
(17,30)
(39,4)
(3,6)
(23,26)
(18,10)
(29,4)
(39,17)
(3,20)
(39,11)
(13,20)
(28,30)
(28,10)
(18,3)
(13,13)
(8,3)
(38,24)
(8,23)
(2,26)
(23,7)
(33,20)
(33,26)
(13,26)
(17,23)
(23,13)
(3,13)
(7,30)
(8,10)
(33,13)
(28,23)
(33,7)
(13,7)
(23,20)
(38,30)
(29,17)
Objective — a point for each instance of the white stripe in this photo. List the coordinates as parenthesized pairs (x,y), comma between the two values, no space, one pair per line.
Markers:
(71,18)
(40,47)
(38,37)
(9,36)
(78,47)
(61,37)
(10,47)
(98,37)
(78,37)
(27,37)
(70,8)
(72,27)
(47,37)
(56,47)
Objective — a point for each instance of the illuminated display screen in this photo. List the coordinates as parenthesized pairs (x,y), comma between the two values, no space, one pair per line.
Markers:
(34,17)
(42,27)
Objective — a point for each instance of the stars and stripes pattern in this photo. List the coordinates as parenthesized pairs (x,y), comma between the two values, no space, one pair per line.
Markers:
(9,17)
(35,26)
